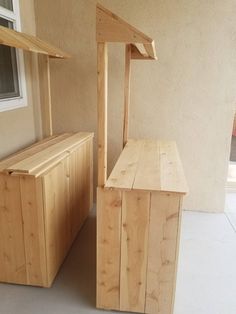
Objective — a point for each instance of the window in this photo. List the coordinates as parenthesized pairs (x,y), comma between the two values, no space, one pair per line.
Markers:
(12,75)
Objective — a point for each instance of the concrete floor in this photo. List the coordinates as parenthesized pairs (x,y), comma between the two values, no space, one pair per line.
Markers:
(206,275)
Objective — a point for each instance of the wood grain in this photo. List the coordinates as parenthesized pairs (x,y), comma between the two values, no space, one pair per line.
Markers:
(108,248)
(134,254)
(162,252)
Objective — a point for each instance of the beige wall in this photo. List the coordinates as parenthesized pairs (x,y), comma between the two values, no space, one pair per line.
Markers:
(188,95)
(20,127)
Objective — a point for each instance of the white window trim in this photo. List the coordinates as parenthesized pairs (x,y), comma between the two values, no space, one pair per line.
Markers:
(20,101)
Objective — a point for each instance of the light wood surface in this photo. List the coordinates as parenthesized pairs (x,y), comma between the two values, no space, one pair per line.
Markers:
(127,93)
(149,165)
(37,160)
(102,111)
(164,213)
(45,95)
(108,249)
(42,212)
(12,38)
(134,245)
(138,235)
(111,28)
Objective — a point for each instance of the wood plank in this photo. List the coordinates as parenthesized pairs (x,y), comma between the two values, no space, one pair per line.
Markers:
(102,112)
(108,248)
(123,174)
(141,166)
(148,171)
(45,95)
(162,251)
(111,28)
(12,38)
(12,252)
(31,150)
(33,227)
(57,220)
(172,174)
(127,94)
(39,159)
(136,54)
(150,49)
(134,250)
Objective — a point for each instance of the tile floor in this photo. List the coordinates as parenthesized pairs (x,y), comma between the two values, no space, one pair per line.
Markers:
(206,275)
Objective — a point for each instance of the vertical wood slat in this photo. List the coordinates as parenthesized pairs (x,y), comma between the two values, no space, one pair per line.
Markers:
(57,233)
(127,93)
(45,95)
(108,248)
(134,253)
(33,226)
(162,252)
(102,70)
(12,253)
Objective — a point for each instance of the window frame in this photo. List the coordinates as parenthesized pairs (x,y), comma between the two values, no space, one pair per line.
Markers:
(7,104)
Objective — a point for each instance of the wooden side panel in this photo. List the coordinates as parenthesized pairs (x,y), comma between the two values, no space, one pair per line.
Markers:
(33,217)
(108,248)
(57,217)
(12,253)
(162,251)
(134,249)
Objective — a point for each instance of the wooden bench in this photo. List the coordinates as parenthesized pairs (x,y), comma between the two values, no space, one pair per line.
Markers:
(139,205)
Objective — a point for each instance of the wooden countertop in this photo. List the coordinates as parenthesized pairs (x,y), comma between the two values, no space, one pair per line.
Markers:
(149,165)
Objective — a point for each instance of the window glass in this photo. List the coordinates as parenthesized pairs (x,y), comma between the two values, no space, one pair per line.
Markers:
(7,4)
(9,82)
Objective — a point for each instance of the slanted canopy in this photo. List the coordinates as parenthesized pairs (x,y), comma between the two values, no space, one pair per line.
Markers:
(111,28)
(12,38)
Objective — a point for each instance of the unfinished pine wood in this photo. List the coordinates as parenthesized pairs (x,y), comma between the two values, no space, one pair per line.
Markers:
(41,213)
(12,251)
(124,172)
(108,248)
(102,112)
(134,243)
(136,54)
(164,213)
(42,157)
(31,150)
(111,28)
(56,217)
(34,241)
(12,38)
(148,165)
(45,95)
(127,94)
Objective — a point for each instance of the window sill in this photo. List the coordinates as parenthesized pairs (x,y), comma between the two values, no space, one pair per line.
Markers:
(11,104)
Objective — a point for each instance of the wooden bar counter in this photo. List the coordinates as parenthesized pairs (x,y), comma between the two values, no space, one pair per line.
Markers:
(138,229)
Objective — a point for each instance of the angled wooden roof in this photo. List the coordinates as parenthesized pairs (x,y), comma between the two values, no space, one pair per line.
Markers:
(111,28)
(12,38)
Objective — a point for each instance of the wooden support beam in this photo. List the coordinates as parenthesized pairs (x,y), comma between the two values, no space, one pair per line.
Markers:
(150,49)
(136,54)
(45,95)
(127,93)
(102,112)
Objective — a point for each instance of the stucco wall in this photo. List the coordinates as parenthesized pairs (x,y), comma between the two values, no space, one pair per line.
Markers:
(188,95)
(20,127)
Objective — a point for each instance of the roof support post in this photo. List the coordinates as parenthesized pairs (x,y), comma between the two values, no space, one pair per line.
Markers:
(45,95)
(102,70)
(127,93)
